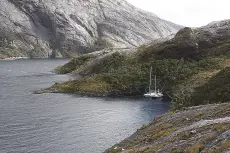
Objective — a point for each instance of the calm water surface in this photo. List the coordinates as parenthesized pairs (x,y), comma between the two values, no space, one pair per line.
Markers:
(61,123)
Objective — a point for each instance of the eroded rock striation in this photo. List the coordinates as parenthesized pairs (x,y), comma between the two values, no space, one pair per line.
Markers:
(42,28)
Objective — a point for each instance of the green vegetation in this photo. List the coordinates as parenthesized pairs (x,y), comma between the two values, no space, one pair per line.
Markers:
(142,48)
(221,147)
(115,150)
(123,74)
(74,64)
(197,148)
(217,89)
(92,85)
(109,64)
(187,70)
(143,127)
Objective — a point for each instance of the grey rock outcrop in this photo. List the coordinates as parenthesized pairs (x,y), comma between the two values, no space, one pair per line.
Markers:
(42,28)
(194,42)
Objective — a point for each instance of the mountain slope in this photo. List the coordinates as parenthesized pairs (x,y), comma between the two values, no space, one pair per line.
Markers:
(185,66)
(38,27)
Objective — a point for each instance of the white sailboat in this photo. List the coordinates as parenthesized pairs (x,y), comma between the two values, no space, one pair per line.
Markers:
(153,93)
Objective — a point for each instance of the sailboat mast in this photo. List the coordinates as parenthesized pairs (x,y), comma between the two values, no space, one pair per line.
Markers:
(150,78)
(155,83)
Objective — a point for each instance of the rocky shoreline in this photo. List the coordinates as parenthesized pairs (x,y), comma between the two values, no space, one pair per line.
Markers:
(198,129)
(15,58)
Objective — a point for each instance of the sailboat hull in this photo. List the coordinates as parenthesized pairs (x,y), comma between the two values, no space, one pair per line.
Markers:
(153,95)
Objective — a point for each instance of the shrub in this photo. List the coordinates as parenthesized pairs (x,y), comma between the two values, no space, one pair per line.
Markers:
(217,89)
(74,64)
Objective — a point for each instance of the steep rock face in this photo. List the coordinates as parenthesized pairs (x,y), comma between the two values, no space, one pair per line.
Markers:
(192,43)
(214,32)
(38,27)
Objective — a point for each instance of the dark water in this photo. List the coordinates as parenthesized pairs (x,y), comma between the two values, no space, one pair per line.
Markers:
(60,123)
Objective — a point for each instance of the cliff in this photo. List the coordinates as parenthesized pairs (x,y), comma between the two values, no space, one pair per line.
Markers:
(39,28)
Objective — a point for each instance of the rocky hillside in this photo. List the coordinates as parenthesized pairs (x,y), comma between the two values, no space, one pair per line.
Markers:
(192,69)
(203,129)
(189,67)
(48,28)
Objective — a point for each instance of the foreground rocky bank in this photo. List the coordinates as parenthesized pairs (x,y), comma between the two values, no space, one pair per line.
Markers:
(203,129)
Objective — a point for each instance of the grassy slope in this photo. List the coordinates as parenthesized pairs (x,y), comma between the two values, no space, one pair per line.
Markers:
(75,64)
(216,89)
(181,68)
